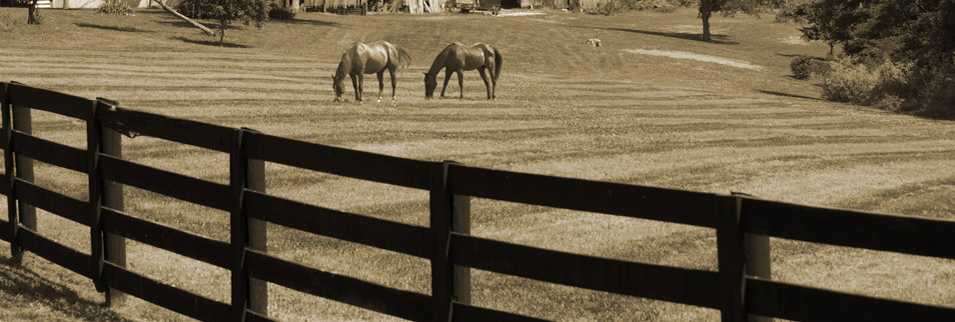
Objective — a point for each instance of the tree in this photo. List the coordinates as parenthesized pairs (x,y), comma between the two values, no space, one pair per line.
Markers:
(33,14)
(728,8)
(830,21)
(228,11)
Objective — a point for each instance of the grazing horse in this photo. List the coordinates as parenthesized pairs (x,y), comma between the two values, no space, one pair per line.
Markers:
(372,58)
(458,58)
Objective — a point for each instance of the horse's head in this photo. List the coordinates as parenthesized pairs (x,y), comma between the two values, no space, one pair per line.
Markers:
(429,85)
(337,86)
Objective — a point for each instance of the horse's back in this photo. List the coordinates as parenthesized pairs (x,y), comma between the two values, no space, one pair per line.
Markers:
(371,57)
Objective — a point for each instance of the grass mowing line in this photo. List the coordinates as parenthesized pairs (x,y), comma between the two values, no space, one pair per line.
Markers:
(603,167)
(171,75)
(148,55)
(145,71)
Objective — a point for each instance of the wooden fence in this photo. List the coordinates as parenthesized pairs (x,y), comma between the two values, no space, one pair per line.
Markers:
(741,224)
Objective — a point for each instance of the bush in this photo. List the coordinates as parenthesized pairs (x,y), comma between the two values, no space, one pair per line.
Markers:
(611,7)
(7,23)
(802,67)
(937,94)
(115,7)
(793,11)
(684,3)
(886,85)
(280,13)
(848,82)
(194,9)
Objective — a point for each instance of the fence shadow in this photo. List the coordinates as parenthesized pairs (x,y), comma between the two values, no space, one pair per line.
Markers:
(19,282)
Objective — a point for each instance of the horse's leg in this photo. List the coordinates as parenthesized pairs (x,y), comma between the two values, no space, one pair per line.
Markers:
(490,71)
(361,86)
(381,84)
(461,83)
(486,84)
(447,77)
(394,85)
(354,83)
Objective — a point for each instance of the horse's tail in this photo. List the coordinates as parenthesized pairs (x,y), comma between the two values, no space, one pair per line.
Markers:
(498,61)
(404,59)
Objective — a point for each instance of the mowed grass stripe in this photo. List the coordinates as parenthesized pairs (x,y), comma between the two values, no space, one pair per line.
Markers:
(151,56)
(27,60)
(203,73)
(604,167)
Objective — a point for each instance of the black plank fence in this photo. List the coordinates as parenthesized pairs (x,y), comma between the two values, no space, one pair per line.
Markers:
(741,288)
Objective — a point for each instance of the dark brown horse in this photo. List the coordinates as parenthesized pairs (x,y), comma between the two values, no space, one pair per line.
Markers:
(372,58)
(457,58)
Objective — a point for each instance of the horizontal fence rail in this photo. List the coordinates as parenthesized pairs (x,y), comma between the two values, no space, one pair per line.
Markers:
(741,223)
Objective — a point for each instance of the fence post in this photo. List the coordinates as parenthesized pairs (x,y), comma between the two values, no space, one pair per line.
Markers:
(740,255)
(449,213)
(245,173)
(22,168)
(93,133)
(758,263)
(8,166)
(114,247)
(730,249)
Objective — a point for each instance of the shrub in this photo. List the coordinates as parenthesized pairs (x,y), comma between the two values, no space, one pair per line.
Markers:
(194,9)
(7,23)
(115,7)
(886,85)
(937,95)
(848,82)
(802,67)
(684,3)
(793,11)
(280,13)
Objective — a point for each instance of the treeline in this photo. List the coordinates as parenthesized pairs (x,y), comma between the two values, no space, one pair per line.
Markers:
(896,54)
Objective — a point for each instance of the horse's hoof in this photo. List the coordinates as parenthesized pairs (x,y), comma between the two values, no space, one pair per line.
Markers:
(379,100)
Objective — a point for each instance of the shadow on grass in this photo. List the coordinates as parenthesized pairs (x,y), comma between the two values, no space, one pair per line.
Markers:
(210,25)
(210,42)
(306,22)
(788,95)
(20,284)
(113,28)
(817,58)
(717,39)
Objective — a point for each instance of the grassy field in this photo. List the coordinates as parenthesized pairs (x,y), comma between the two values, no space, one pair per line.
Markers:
(652,106)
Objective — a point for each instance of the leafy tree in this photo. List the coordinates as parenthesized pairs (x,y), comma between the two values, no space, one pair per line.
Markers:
(728,8)
(225,12)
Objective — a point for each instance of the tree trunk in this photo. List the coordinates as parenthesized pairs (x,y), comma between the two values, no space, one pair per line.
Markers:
(186,19)
(221,33)
(706,26)
(32,14)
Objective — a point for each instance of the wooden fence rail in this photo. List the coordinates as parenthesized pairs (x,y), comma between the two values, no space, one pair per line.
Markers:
(742,288)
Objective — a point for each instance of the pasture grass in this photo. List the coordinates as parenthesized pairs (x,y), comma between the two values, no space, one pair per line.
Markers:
(563,108)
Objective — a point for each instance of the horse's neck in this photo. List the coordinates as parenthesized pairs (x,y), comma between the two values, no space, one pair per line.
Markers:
(438,64)
(344,67)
